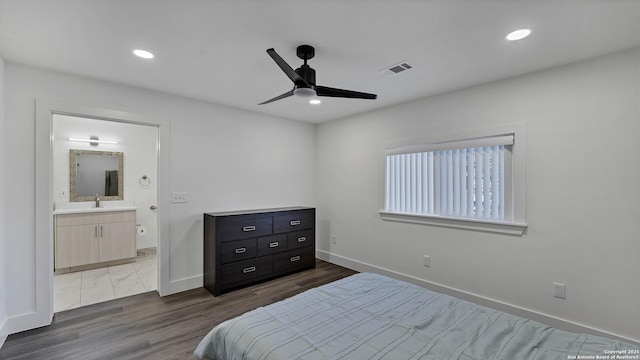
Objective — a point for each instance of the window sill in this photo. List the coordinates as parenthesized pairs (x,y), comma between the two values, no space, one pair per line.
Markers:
(459,223)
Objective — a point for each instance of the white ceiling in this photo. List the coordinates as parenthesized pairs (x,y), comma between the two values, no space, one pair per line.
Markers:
(215,50)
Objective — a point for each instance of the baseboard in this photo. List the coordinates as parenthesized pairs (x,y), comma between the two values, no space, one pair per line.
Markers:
(26,321)
(555,322)
(184,284)
(3,332)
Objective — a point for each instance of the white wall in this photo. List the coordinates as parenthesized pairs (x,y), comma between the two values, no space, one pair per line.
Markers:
(138,143)
(582,194)
(3,313)
(222,157)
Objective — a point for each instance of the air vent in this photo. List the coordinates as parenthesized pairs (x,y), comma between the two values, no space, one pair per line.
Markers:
(396,69)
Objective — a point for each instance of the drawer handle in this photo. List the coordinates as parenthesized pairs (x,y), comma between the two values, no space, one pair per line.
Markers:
(241,250)
(302,239)
(249,228)
(274,244)
(294,222)
(295,258)
(249,269)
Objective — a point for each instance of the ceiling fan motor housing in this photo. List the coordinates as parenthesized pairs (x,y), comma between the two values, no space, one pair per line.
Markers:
(307,73)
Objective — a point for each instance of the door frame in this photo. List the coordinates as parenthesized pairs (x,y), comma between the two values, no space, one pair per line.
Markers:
(44,194)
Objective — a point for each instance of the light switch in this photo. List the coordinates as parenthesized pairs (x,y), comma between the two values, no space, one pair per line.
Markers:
(179,197)
(426,261)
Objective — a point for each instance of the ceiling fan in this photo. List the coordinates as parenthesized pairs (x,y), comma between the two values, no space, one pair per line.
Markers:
(304,79)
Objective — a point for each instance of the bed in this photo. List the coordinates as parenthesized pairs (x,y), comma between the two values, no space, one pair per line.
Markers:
(369,316)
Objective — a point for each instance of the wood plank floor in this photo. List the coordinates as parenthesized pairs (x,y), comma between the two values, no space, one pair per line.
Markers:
(147,326)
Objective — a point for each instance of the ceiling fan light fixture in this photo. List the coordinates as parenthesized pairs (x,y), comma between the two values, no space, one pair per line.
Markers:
(143,54)
(518,34)
(304,92)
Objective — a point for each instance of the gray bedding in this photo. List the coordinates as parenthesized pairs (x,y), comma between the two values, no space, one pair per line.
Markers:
(369,316)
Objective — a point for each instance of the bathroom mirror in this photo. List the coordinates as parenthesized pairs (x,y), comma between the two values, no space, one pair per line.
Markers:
(94,173)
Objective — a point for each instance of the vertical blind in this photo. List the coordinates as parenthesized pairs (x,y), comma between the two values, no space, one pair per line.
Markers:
(449,180)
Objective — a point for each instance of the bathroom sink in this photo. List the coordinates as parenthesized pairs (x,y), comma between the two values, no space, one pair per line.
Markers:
(75,208)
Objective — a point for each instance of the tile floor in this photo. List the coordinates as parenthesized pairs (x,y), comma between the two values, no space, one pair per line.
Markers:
(88,287)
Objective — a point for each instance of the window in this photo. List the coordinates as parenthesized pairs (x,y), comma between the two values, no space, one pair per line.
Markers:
(468,180)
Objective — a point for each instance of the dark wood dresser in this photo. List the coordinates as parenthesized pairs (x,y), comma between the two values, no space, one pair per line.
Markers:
(244,247)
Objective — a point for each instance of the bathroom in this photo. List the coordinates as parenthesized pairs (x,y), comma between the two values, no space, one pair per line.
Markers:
(134,148)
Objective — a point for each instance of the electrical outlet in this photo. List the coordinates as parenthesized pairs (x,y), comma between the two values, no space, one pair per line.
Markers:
(426,260)
(334,239)
(179,197)
(559,290)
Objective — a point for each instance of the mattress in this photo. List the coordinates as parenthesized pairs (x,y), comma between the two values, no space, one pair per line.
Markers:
(369,316)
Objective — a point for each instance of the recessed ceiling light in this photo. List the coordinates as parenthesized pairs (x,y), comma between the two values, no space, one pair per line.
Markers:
(143,54)
(314,101)
(518,34)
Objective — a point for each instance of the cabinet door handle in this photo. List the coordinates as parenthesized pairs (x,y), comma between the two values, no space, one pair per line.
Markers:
(100,230)
(95,228)
(249,269)
(294,222)
(274,244)
(241,250)
(302,239)
(295,258)
(249,228)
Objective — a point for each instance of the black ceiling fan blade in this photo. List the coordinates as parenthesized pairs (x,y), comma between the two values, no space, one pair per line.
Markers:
(279,97)
(332,92)
(297,79)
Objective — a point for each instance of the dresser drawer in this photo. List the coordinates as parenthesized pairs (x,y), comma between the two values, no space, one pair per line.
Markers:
(238,250)
(300,239)
(298,220)
(246,270)
(240,227)
(272,244)
(294,259)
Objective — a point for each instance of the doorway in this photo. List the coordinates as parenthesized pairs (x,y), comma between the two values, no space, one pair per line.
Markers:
(92,281)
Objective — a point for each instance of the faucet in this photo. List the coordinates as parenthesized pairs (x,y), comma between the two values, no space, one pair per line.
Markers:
(97,201)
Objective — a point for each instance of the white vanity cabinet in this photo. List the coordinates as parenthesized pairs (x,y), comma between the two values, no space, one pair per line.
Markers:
(95,237)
